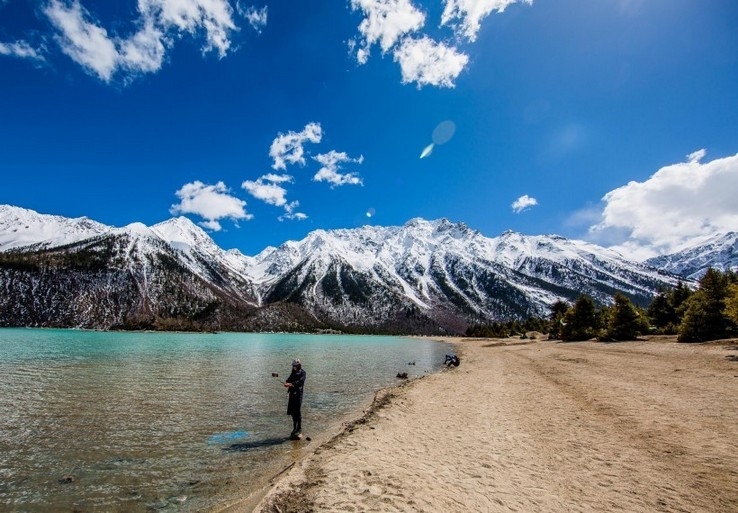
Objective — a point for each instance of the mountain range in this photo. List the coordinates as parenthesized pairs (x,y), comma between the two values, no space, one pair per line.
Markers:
(719,251)
(425,277)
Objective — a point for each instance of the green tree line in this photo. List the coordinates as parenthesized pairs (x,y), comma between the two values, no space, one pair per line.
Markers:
(709,312)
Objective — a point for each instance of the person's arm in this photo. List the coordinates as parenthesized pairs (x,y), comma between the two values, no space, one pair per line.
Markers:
(296,380)
(300,381)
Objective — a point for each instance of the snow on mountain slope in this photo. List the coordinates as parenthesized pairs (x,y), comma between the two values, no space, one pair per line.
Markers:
(20,227)
(411,275)
(428,261)
(229,269)
(719,251)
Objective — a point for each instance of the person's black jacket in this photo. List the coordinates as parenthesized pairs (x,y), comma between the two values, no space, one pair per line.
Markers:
(297,378)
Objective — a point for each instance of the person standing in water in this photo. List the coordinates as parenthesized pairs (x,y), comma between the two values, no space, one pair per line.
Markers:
(295,384)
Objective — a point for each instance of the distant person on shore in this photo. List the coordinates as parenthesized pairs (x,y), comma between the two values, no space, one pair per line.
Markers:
(452,359)
(295,384)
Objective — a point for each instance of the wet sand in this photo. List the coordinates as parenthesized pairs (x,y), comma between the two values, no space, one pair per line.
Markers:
(537,426)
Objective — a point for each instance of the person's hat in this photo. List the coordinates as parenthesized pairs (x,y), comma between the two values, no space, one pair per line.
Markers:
(296,362)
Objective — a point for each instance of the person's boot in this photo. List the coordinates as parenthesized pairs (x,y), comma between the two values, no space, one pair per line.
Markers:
(295,435)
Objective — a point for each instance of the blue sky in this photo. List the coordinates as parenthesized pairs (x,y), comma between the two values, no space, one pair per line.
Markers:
(614,121)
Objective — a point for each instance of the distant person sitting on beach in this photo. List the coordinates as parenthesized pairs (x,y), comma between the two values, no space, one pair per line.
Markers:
(452,359)
(295,384)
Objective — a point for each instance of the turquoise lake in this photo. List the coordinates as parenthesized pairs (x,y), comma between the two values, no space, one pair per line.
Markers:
(112,421)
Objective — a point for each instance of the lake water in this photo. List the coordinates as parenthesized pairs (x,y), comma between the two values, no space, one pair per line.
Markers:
(101,421)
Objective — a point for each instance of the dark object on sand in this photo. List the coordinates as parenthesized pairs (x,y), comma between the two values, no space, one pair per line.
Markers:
(275,374)
(452,359)
(402,375)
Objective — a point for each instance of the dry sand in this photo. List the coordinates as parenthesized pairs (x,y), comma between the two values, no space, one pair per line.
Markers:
(647,426)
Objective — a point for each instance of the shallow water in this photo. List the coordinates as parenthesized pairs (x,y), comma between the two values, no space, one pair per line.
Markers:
(98,421)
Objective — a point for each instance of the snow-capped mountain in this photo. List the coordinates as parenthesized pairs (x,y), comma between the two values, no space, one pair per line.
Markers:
(718,251)
(447,271)
(20,227)
(422,277)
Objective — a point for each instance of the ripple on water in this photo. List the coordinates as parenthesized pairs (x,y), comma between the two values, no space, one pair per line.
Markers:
(173,422)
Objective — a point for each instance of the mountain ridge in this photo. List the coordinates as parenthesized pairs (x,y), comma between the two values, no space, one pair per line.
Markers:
(422,277)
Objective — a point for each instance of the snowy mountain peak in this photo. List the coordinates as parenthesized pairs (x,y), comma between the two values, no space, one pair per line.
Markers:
(139,229)
(719,251)
(421,275)
(20,227)
(183,234)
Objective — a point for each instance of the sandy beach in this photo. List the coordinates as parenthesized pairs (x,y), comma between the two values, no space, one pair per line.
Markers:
(537,426)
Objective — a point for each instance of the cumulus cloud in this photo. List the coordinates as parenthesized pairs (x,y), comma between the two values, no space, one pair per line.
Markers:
(394,24)
(466,15)
(144,51)
(331,162)
(385,22)
(22,50)
(675,205)
(257,18)
(290,213)
(268,188)
(427,62)
(160,23)
(213,17)
(82,40)
(211,202)
(523,202)
(288,148)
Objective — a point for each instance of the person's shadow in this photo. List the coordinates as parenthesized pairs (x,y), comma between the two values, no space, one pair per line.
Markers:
(256,444)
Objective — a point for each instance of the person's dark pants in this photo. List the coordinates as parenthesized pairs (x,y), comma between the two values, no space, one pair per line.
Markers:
(296,422)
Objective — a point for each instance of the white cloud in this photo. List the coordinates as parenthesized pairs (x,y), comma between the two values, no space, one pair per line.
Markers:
(697,156)
(288,148)
(391,24)
(267,189)
(211,202)
(523,202)
(291,214)
(22,50)
(428,62)
(257,18)
(160,23)
(385,22)
(214,17)
(466,15)
(144,51)
(331,163)
(82,40)
(675,205)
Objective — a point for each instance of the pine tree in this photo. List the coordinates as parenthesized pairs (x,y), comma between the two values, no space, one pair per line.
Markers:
(624,323)
(580,321)
(731,303)
(704,317)
(558,310)
(661,312)
(667,309)
(679,295)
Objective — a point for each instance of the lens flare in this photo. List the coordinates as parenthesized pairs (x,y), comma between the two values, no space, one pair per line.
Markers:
(427,151)
(444,132)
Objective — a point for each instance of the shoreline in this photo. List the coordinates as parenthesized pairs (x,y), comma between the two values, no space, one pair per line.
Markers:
(252,501)
(283,474)
(535,426)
